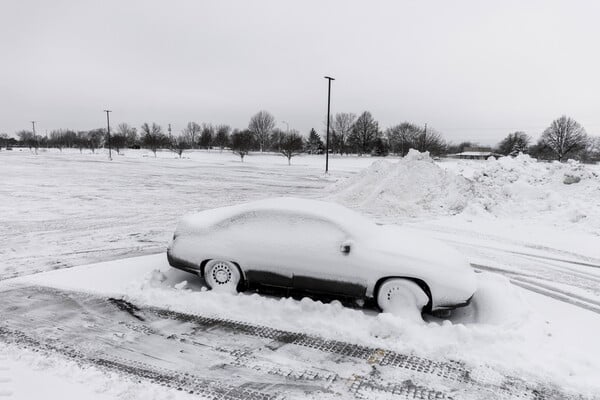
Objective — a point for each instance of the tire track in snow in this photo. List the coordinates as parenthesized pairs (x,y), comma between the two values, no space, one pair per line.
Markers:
(521,280)
(456,232)
(573,275)
(176,349)
(100,255)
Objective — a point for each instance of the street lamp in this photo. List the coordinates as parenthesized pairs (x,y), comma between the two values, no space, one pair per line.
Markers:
(327,139)
(108,131)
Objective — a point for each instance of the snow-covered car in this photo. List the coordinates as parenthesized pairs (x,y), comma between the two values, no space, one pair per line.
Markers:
(320,247)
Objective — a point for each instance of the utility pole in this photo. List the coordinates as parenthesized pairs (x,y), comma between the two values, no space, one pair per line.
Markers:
(328,109)
(108,132)
(37,142)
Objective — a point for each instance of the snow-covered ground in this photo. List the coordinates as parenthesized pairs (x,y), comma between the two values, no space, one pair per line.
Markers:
(513,217)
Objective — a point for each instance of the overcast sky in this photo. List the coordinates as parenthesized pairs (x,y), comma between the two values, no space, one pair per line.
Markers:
(471,69)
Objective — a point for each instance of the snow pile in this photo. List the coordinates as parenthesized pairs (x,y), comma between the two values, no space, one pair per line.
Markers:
(561,192)
(501,329)
(416,186)
(413,186)
(498,332)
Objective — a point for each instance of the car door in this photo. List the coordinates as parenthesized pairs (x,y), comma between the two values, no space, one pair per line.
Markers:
(260,241)
(325,262)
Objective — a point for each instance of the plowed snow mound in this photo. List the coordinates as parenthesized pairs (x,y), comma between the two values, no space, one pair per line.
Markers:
(562,192)
(416,186)
(413,186)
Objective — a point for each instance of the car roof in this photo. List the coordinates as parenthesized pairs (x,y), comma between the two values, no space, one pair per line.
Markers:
(348,220)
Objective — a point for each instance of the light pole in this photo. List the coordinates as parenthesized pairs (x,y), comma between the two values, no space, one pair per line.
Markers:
(108,132)
(327,139)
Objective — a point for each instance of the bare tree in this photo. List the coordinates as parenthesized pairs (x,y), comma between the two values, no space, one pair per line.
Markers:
(291,145)
(179,144)
(242,142)
(261,124)
(342,127)
(57,139)
(429,140)
(592,150)
(206,135)
(364,132)
(129,132)
(221,139)
(118,141)
(82,141)
(94,138)
(29,139)
(153,137)
(4,139)
(564,136)
(514,143)
(276,138)
(191,133)
(401,137)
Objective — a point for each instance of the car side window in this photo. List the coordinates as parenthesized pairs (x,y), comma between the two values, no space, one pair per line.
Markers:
(286,229)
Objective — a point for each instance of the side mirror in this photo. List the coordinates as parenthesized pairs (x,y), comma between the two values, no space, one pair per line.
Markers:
(345,247)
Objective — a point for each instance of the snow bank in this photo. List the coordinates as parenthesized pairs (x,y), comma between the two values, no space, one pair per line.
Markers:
(417,186)
(522,186)
(500,329)
(413,186)
(498,332)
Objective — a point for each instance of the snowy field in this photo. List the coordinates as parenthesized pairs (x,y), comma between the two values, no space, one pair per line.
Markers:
(533,321)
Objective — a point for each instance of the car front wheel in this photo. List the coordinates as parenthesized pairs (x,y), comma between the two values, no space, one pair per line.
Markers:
(401,297)
(222,276)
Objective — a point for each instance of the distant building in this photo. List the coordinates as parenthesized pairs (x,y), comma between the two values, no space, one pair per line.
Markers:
(476,153)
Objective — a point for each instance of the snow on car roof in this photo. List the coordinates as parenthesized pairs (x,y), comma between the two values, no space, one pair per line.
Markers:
(345,218)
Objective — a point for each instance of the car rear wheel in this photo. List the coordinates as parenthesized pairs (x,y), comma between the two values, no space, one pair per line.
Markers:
(222,276)
(401,296)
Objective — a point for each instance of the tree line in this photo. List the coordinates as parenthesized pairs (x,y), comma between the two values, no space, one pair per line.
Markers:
(564,139)
(349,134)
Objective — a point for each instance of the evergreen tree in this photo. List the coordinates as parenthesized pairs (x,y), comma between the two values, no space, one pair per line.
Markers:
(514,144)
(314,144)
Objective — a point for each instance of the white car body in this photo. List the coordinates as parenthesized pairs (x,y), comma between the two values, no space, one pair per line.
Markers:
(301,244)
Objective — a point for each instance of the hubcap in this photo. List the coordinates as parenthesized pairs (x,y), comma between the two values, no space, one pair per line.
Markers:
(221,274)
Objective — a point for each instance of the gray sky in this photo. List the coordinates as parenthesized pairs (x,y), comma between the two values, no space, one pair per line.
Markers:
(471,69)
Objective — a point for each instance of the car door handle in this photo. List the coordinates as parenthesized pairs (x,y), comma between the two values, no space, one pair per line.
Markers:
(346,247)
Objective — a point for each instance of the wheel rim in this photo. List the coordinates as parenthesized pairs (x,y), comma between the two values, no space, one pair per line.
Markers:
(222,276)
(398,294)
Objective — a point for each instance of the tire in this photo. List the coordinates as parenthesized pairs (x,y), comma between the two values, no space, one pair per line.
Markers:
(401,296)
(222,276)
